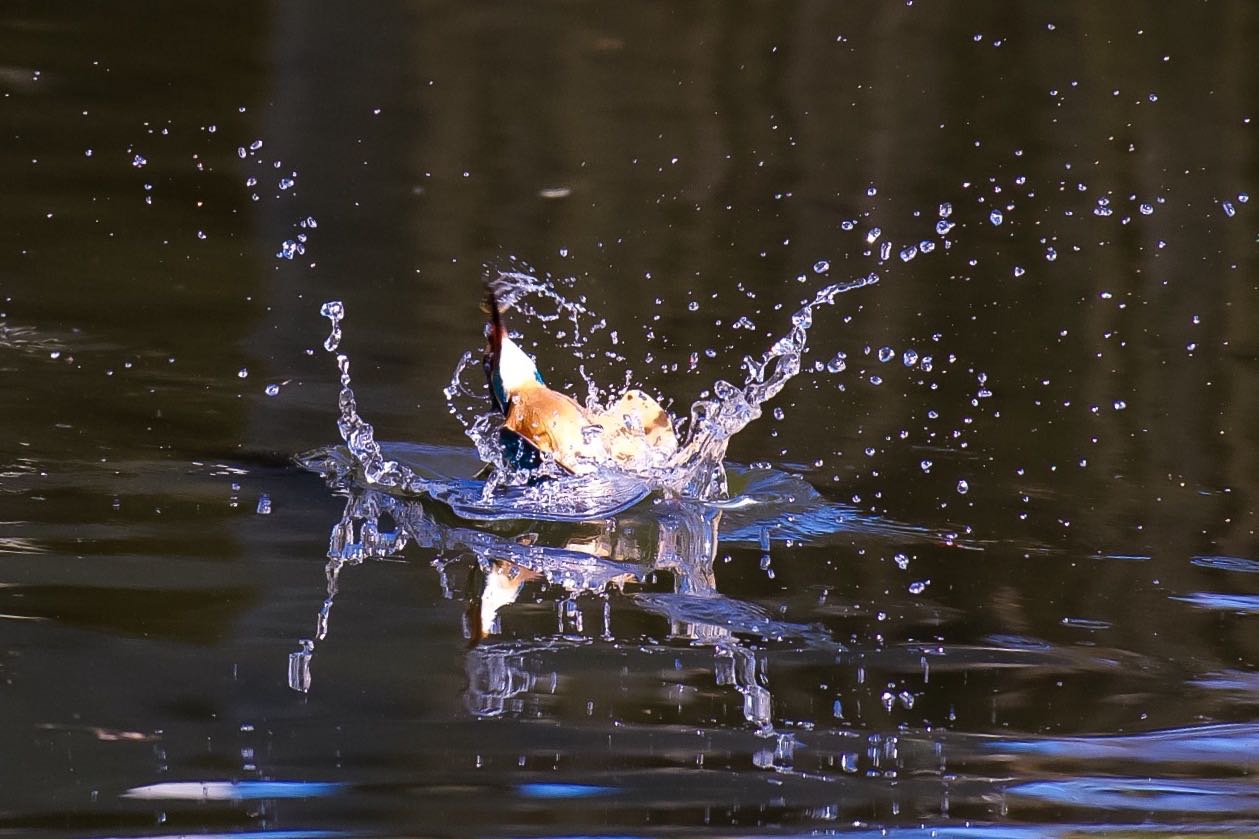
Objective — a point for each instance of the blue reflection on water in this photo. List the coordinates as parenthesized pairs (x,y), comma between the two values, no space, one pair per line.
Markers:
(1227,563)
(1232,745)
(1145,794)
(562,790)
(1219,601)
(231,790)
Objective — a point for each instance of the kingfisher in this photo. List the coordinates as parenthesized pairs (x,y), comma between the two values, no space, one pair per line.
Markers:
(635,432)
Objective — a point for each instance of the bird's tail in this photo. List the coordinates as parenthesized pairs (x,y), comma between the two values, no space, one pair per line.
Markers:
(496,332)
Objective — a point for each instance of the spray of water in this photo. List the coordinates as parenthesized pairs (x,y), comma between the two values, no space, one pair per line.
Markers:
(694,470)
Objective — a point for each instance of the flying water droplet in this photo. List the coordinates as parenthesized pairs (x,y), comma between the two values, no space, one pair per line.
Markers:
(886,354)
(333,310)
(1229,210)
(910,358)
(996,218)
(873,235)
(885,251)
(963,487)
(909,253)
(821,266)
(1051,254)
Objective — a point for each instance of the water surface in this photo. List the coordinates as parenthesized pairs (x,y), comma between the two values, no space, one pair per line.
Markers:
(994,568)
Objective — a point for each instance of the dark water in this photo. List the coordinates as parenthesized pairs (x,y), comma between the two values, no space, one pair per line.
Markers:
(1070,644)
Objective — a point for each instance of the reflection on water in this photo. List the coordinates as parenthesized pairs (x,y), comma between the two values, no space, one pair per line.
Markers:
(670,543)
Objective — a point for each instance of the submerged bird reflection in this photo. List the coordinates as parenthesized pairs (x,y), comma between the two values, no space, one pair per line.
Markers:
(627,556)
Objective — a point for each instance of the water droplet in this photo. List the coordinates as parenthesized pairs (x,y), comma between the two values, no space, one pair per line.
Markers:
(778,414)
(886,354)
(910,358)
(1153,97)
(925,465)
(1018,271)
(138,161)
(201,234)
(693,306)
(872,191)
(926,246)
(821,266)
(847,225)
(1242,197)
(873,235)
(286,183)
(1120,405)
(946,210)
(1146,209)
(255,145)
(241,153)
(916,588)
(926,363)
(885,251)
(836,364)
(272,390)
(996,217)
(963,487)
(876,380)
(243,373)
(1228,209)
(264,505)
(1051,254)
(902,561)
(564,252)
(943,226)
(909,253)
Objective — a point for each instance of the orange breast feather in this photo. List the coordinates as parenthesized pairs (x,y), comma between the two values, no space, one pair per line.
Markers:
(553,422)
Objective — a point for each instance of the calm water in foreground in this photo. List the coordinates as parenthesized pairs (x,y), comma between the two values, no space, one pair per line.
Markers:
(994,570)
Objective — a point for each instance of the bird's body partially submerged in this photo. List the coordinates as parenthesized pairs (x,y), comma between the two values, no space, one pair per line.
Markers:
(634,432)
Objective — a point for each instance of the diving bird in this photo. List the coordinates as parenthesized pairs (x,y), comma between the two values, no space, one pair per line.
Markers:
(634,432)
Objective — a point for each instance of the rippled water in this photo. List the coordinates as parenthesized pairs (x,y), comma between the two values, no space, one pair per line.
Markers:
(969,551)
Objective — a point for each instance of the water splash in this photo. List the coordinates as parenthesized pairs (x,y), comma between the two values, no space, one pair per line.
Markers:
(694,470)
